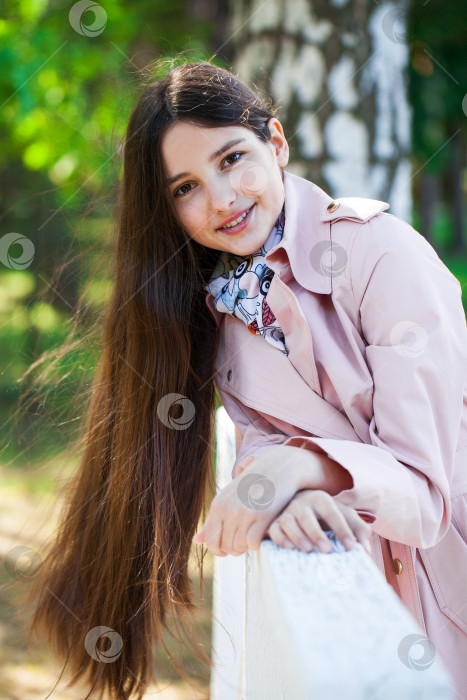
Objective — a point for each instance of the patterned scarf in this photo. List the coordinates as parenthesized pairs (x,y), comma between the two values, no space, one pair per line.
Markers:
(240,286)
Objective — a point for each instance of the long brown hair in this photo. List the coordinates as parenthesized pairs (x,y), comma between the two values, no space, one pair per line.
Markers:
(118,566)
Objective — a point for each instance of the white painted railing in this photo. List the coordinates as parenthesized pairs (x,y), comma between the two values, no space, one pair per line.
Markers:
(295,625)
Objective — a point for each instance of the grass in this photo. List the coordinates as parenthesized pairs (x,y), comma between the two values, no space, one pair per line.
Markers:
(28,517)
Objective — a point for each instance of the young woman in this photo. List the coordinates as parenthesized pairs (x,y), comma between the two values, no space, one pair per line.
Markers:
(337,340)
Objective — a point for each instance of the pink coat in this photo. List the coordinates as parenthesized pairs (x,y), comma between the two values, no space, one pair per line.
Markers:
(376,378)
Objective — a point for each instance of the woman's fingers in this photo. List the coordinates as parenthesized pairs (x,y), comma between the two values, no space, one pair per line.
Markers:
(277,535)
(236,546)
(361,529)
(305,533)
(344,521)
(323,506)
(234,507)
(301,522)
(234,527)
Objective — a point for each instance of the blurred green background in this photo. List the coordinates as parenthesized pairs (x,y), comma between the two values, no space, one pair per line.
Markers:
(64,102)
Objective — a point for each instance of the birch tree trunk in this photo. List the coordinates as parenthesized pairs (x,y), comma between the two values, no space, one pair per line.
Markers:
(338,71)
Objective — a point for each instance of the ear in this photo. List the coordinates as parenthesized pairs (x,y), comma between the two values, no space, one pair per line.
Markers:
(278,142)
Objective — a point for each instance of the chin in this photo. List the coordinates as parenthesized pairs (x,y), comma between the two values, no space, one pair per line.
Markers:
(247,250)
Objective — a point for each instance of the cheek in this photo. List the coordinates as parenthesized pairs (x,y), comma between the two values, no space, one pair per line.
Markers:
(251,179)
(275,192)
(193,219)
(189,215)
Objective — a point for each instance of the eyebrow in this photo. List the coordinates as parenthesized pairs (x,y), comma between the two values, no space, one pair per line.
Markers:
(212,157)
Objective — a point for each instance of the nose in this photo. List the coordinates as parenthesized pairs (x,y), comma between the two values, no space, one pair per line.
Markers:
(222,195)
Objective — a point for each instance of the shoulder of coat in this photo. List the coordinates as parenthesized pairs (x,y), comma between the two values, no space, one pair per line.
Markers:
(354,208)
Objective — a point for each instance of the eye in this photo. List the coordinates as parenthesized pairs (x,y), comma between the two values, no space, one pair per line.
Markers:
(235,153)
(178,192)
(185,184)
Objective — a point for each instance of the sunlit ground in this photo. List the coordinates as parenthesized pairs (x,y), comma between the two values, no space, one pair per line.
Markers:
(27,516)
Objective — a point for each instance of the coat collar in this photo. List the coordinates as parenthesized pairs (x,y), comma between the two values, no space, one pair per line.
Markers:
(308,214)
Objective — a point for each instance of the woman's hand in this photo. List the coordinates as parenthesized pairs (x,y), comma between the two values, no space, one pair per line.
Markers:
(241,512)
(299,524)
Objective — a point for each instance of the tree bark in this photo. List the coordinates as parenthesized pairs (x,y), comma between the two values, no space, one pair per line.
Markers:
(338,72)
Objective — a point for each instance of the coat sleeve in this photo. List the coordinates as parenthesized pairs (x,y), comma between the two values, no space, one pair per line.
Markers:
(257,432)
(411,318)
(413,323)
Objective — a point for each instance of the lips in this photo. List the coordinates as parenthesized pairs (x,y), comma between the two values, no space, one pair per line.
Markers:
(235,216)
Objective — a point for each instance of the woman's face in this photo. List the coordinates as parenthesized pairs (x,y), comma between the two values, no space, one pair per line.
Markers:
(213,179)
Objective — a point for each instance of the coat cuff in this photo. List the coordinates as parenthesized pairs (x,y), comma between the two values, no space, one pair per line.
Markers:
(386,493)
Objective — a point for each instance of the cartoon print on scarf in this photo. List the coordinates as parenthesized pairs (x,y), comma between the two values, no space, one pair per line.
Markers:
(240,286)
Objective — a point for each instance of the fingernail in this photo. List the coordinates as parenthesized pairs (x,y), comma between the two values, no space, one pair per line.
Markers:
(324,545)
(348,543)
(305,546)
(367,546)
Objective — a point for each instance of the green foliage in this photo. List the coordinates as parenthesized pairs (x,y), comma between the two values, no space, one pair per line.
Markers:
(65,96)
(66,91)
(438,77)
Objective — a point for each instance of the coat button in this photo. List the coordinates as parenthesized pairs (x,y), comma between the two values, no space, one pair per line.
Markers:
(397,566)
(229,375)
(333,206)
